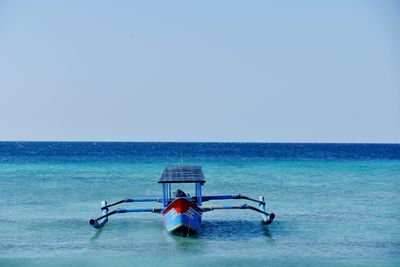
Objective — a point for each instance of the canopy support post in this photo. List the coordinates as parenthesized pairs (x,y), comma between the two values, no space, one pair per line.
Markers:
(199,194)
(165,194)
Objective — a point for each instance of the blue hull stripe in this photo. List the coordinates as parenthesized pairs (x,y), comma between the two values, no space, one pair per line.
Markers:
(173,221)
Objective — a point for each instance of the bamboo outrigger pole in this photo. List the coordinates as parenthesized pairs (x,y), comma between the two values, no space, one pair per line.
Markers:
(269,217)
(204,198)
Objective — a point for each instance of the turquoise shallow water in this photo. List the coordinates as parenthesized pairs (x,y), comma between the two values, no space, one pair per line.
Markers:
(334,205)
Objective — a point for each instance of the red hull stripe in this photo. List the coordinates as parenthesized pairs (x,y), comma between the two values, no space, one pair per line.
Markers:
(181,205)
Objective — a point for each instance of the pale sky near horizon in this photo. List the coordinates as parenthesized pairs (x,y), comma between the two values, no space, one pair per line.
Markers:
(259,71)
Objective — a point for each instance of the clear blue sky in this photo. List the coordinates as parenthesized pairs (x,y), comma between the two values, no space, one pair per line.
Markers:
(267,71)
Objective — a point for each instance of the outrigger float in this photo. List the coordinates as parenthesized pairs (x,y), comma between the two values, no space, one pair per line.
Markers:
(182,213)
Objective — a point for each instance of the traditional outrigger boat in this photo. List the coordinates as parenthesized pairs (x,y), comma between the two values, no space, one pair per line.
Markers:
(182,213)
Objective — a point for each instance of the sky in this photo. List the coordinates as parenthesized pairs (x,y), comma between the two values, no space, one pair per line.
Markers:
(212,71)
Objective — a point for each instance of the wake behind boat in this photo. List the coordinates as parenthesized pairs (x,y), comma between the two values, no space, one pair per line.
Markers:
(182,213)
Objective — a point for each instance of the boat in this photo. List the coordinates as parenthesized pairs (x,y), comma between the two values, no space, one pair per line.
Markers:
(181,212)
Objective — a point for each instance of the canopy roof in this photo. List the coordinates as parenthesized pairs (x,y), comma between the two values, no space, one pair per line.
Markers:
(182,174)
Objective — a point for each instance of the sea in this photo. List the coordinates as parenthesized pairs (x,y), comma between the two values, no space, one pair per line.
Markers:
(335,204)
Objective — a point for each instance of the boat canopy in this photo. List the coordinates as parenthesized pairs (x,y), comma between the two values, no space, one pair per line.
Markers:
(182,174)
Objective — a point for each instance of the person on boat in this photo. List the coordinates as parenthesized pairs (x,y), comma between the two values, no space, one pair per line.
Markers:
(180,193)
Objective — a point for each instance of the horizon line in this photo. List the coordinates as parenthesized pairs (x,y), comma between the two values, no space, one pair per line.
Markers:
(200,142)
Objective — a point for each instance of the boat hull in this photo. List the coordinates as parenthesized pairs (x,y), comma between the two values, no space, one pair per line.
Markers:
(182,217)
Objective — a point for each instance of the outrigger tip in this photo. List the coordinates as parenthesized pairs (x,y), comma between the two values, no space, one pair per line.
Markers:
(271,218)
(94,223)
